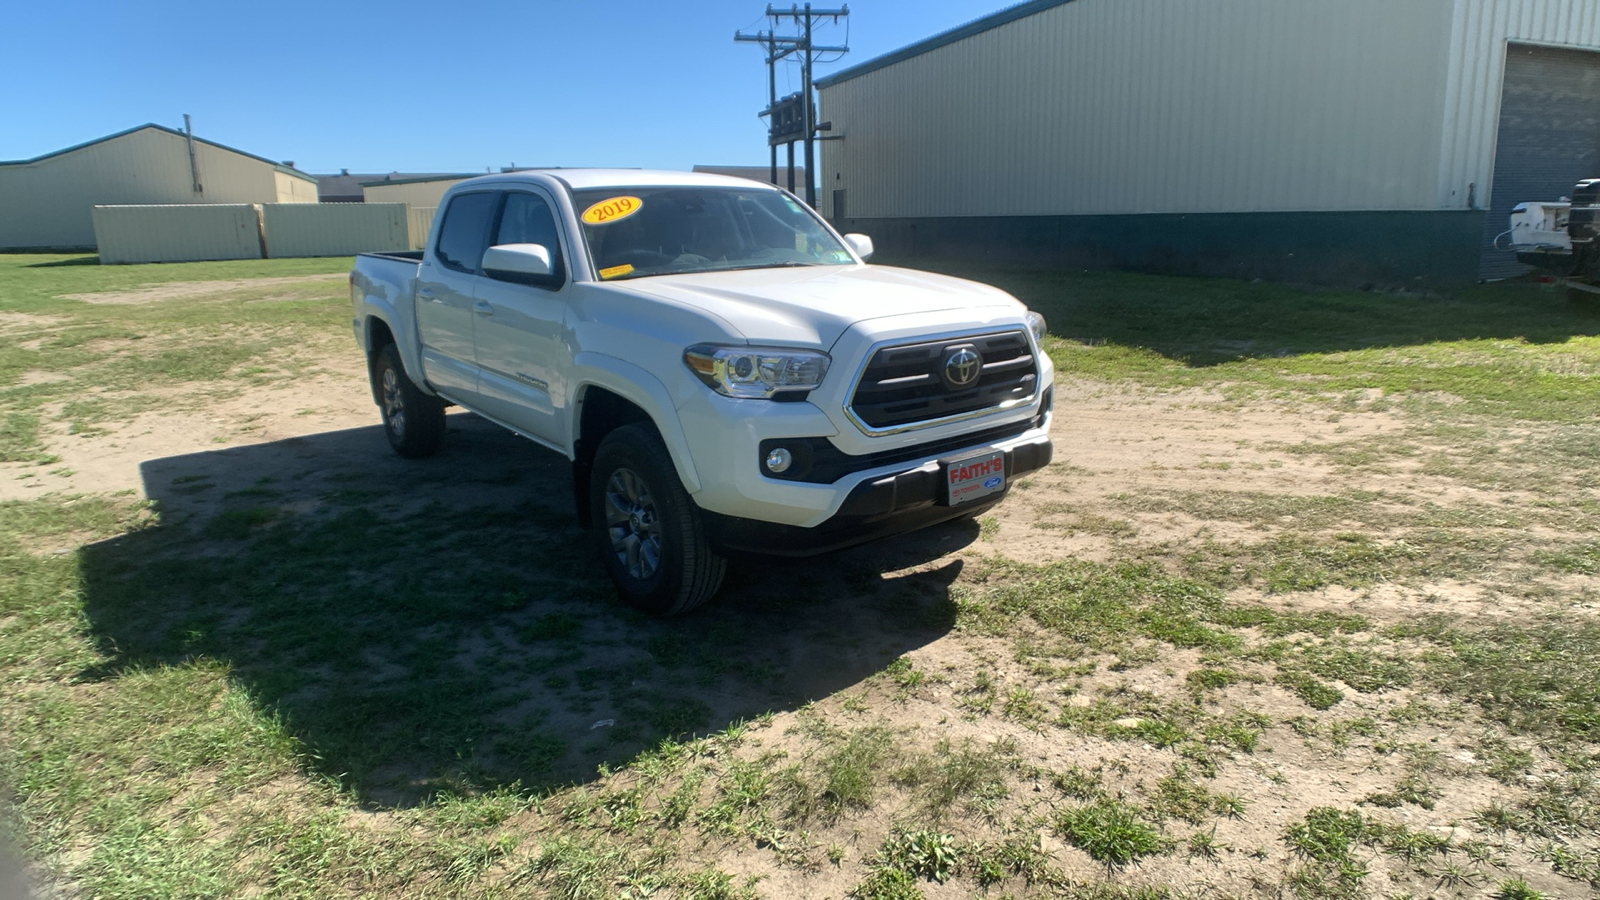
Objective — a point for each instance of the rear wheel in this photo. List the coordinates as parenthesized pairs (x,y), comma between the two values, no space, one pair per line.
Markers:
(648,531)
(412,420)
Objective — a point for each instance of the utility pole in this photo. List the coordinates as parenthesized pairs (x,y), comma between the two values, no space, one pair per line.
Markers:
(777,49)
(194,165)
(772,100)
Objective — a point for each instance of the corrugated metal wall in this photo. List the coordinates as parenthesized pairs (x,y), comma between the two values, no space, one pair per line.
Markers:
(1148,106)
(334,229)
(292,188)
(421,221)
(416,193)
(49,203)
(184,232)
(177,233)
(1479,31)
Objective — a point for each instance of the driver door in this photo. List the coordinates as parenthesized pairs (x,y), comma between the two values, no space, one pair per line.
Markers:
(523,350)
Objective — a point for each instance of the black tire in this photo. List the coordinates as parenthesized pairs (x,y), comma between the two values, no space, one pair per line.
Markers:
(413,421)
(647,530)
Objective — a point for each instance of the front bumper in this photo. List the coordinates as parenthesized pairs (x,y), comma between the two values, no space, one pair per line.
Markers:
(883,506)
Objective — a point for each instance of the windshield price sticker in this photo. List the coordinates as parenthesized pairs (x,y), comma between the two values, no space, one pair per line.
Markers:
(616,271)
(613,209)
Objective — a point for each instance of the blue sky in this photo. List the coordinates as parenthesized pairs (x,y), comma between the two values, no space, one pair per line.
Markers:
(413,86)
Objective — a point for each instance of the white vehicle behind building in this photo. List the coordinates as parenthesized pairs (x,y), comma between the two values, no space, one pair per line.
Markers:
(1560,238)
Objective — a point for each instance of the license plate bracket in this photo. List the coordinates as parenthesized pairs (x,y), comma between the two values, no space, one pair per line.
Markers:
(973,477)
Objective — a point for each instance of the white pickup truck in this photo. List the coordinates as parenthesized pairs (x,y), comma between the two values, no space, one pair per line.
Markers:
(724,371)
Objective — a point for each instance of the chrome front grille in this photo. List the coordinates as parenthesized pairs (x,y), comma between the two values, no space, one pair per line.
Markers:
(907,385)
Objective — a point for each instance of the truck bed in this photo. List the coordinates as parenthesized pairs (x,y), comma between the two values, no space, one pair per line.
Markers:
(414,256)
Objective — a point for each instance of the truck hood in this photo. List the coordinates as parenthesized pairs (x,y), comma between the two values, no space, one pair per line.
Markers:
(811,306)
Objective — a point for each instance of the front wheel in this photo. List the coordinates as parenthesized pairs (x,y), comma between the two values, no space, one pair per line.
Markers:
(412,420)
(648,530)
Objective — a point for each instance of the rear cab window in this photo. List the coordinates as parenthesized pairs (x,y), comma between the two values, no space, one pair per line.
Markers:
(465,233)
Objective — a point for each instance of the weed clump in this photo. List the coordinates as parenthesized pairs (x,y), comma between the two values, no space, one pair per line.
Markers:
(1315,693)
(1109,831)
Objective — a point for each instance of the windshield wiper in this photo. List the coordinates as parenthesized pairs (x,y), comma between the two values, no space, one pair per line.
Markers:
(788,264)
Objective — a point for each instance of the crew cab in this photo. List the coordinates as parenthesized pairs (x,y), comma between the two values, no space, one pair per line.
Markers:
(725,372)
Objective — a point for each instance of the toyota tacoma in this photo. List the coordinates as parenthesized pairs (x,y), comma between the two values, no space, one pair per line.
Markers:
(724,371)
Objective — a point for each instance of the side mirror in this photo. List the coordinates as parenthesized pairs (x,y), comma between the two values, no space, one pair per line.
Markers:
(861,244)
(521,263)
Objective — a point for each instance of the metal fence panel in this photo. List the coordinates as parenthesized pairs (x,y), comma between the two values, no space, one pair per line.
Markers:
(334,229)
(177,232)
(421,221)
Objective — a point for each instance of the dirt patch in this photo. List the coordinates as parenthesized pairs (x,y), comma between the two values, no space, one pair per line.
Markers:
(25,323)
(178,290)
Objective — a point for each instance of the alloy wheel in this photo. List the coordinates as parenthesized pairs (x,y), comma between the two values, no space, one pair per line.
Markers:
(632,524)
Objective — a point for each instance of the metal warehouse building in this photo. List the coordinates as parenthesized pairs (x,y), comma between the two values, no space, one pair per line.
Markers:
(1364,140)
(47,202)
(422,191)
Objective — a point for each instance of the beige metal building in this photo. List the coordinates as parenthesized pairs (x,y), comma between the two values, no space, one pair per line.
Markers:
(47,202)
(423,192)
(761,173)
(1351,141)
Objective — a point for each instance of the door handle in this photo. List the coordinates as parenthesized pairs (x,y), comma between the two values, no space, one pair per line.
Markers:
(426,295)
(482,308)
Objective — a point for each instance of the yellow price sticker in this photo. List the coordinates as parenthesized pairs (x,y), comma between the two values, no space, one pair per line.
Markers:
(616,271)
(613,209)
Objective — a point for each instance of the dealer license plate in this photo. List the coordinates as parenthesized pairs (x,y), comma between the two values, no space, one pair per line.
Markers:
(974,477)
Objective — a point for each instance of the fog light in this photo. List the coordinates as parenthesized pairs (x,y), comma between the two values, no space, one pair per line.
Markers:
(779,460)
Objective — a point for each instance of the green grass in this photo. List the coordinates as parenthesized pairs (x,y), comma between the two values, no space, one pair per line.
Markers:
(100,361)
(846,775)
(31,281)
(1110,832)
(1328,837)
(1535,679)
(1507,351)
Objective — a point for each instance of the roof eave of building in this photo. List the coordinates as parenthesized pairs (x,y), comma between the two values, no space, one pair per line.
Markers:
(288,170)
(424,180)
(942,39)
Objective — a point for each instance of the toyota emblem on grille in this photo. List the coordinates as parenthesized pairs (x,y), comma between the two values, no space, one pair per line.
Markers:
(962,365)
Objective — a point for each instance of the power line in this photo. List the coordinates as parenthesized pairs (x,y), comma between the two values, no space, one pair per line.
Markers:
(779,113)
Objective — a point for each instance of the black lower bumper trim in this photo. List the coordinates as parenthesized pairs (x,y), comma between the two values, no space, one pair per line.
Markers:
(887,506)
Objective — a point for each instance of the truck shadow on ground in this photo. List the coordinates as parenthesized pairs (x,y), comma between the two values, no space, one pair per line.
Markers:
(443,624)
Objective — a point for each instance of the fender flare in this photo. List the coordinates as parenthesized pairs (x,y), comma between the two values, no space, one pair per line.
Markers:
(642,389)
(410,354)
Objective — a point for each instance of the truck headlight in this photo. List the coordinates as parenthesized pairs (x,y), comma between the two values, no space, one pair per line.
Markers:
(757,372)
(1037,326)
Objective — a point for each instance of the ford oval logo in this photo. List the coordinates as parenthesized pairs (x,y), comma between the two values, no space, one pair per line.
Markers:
(993,483)
(962,367)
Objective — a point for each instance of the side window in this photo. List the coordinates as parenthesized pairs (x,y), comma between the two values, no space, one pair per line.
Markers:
(527,219)
(462,236)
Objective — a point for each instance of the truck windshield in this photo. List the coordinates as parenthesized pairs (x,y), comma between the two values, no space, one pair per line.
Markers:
(636,232)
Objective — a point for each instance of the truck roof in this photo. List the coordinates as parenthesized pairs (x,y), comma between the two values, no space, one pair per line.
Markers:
(580,179)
